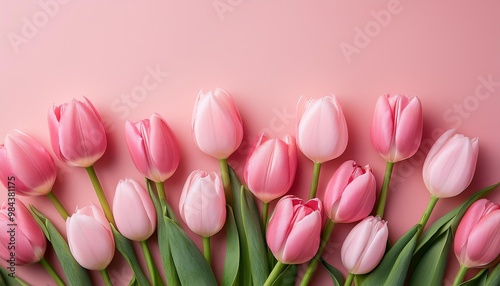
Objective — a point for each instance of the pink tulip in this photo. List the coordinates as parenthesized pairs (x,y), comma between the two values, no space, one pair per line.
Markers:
(153,148)
(270,169)
(477,240)
(350,193)
(364,246)
(31,166)
(202,204)
(396,129)
(293,233)
(77,133)
(20,235)
(90,238)
(322,129)
(134,211)
(450,164)
(217,126)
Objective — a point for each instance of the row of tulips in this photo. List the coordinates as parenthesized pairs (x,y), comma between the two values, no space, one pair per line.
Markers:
(295,233)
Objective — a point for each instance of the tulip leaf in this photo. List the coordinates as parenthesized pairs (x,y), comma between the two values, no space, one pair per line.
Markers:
(133,281)
(7,280)
(126,249)
(432,265)
(494,277)
(163,239)
(337,278)
(478,280)
(232,262)
(394,266)
(287,277)
(75,274)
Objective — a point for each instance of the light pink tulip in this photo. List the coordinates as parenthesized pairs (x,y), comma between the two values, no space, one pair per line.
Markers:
(477,240)
(450,164)
(133,210)
(364,246)
(322,129)
(29,163)
(203,204)
(77,133)
(270,169)
(293,233)
(217,126)
(20,235)
(153,148)
(350,194)
(396,130)
(90,238)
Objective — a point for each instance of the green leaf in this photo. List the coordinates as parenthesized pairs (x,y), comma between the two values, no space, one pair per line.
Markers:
(126,249)
(494,277)
(163,239)
(232,262)
(478,280)
(337,277)
(75,274)
(287,277)
(432,265)
(7,280)
(394,266)
(133,281)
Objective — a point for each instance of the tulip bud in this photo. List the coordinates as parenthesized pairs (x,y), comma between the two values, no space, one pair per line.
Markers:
(90,238)
(20,234)
(77,133)
(270,169)
(364,246)
(153,148)
(477,240)
(202,204)
(29,163)
(217,126)
(322,129)
(134,211)
(450,164)
(293,233)
(396,129)
(350,194)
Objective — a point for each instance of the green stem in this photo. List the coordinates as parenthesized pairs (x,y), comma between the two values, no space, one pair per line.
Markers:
(160,188)
(278,268)
(100,194)
(460,275)
(153,271)
(52,272)
(58,205)
(427,214)
(105,277)
(325,237)
(206,248)
(348,280)
(265,215)
(224,170)
(315,180)
(385,187)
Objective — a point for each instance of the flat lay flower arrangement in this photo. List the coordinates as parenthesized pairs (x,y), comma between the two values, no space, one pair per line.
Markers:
(263,246)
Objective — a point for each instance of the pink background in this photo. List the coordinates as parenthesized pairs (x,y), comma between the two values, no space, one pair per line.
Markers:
(267,54)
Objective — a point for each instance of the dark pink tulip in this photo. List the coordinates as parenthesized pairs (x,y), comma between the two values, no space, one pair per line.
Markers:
(450,164)
(29,241)
(477,240)
(28,164)
(396,130)
(350,193)
(270,169)
(153,148)
(217,127)
(293,233)
(77,133)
